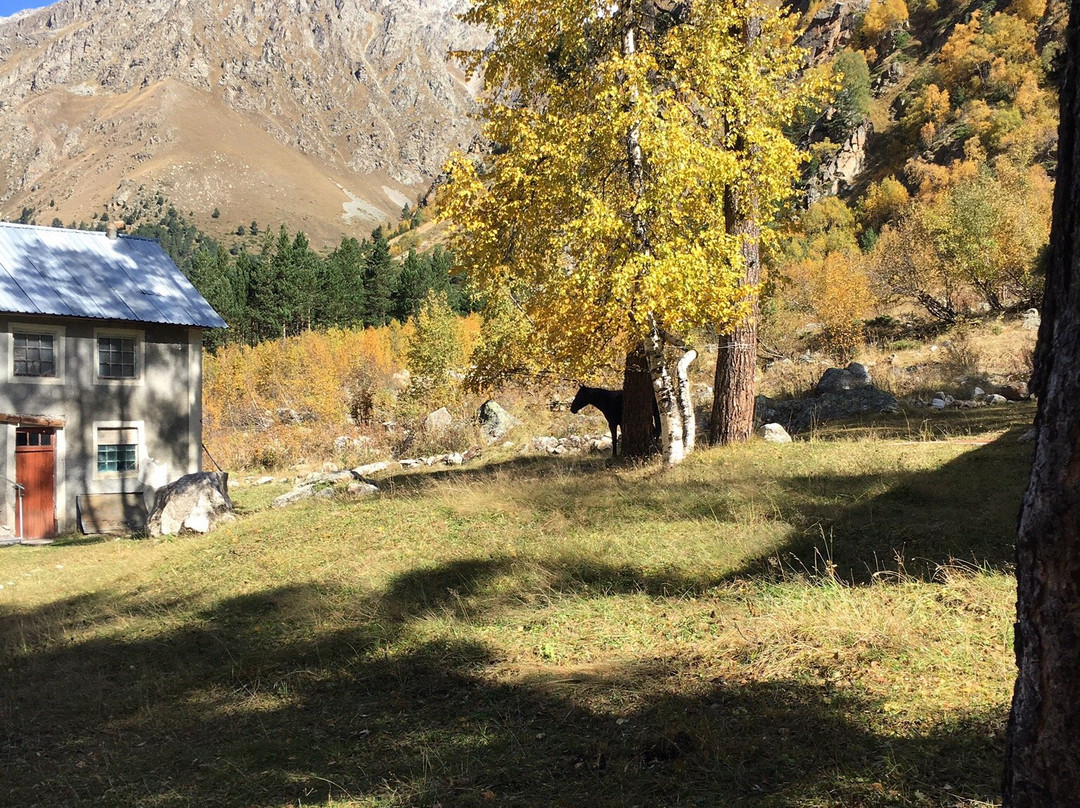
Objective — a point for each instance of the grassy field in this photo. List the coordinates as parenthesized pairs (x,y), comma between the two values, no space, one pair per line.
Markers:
(821,624)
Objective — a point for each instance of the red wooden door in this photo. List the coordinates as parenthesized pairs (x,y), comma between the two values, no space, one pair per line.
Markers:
(35,470)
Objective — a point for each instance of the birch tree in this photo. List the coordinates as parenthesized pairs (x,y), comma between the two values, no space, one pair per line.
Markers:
(601,219)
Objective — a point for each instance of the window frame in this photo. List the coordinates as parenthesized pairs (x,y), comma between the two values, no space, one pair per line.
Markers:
(57,332)
(140,355)
(140,454)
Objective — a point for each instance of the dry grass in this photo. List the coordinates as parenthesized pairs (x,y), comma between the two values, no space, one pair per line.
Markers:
(987,353)
(765,626)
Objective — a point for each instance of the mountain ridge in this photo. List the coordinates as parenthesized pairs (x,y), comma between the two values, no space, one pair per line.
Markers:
(327,115)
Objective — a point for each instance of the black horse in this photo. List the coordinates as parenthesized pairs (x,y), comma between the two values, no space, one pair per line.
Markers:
(610,403)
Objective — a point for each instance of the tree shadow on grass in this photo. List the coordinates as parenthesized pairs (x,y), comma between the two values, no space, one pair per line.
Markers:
(250,703)
(254,701)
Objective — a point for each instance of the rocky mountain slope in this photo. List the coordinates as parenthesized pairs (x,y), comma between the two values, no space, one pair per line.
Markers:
(326,115)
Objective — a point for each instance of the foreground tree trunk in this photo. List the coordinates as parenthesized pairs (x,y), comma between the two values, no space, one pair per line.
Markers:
(1042,763)
(638,434)
(736,357)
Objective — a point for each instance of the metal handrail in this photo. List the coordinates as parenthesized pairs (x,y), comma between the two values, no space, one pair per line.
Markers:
(20,489)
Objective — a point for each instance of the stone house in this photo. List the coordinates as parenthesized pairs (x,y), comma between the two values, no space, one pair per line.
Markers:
(101,358)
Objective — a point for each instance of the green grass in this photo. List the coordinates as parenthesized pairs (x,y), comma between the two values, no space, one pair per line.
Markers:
(820,624)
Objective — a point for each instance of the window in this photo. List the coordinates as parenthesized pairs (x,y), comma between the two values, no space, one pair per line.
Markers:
(116,357)
(35,354)
(117,448)
(26,437)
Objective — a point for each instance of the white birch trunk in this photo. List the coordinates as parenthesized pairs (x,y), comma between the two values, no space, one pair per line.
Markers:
(672,448)
(686,402)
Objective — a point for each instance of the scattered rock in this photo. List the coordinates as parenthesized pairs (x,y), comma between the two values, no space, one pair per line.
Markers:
(294,496)
(194,503)
(438,421)
(360,489)
(841,393)
(495,422)
(1029,437)
(1031,320)
(370,468)
(994,398)
(841,380)
(1014,392)
(774,433)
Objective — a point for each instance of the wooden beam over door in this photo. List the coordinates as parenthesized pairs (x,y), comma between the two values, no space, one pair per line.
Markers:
(33,420)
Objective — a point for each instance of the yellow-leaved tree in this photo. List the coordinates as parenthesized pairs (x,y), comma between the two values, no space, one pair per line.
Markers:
(619,128)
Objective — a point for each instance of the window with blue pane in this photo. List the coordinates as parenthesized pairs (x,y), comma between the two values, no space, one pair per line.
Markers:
(117,449)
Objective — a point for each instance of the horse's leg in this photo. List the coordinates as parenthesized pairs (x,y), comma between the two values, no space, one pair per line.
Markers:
(614,439)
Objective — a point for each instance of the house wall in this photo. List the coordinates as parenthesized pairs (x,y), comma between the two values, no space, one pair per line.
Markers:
(163,403)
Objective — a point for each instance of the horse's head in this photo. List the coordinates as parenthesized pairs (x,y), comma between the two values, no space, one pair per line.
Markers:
(580,400)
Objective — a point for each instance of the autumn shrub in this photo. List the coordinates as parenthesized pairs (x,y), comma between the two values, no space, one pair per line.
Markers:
(835,291)
(883,202)
(881,18)
(285,401)
(435,352)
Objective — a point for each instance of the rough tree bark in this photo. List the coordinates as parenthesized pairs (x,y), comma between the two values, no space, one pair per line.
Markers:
(638,438)
(1042,763)
(736,356)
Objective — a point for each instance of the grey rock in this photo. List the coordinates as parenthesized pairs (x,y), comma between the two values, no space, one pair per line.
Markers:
(1014,392)
(841,380)
(294,496)
(195,503)
(798,415)
(453,459)
(362,489)
(495,422)
(1031,320)
(775,433)
(438,421)
(994,398)
(370,468)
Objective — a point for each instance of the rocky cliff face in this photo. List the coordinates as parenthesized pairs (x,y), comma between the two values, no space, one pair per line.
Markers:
(326,114)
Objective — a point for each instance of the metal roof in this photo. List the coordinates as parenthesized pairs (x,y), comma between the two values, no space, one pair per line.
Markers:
(79,273)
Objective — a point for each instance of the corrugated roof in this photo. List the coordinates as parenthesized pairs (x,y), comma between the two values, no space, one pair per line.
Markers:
(77,273)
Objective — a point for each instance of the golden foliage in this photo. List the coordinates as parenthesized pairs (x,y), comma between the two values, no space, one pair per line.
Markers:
(435,349)
(976,235)
(583,255)
(883,202)
(835,291)
(880,18)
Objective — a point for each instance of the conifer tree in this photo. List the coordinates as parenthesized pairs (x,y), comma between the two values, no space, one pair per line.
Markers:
(380,279)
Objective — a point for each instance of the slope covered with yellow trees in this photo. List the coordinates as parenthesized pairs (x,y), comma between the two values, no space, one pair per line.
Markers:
(949,215)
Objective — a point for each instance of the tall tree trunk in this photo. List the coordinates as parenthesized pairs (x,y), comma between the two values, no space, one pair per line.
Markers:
(736,356)
(1042,757)
(638,434)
